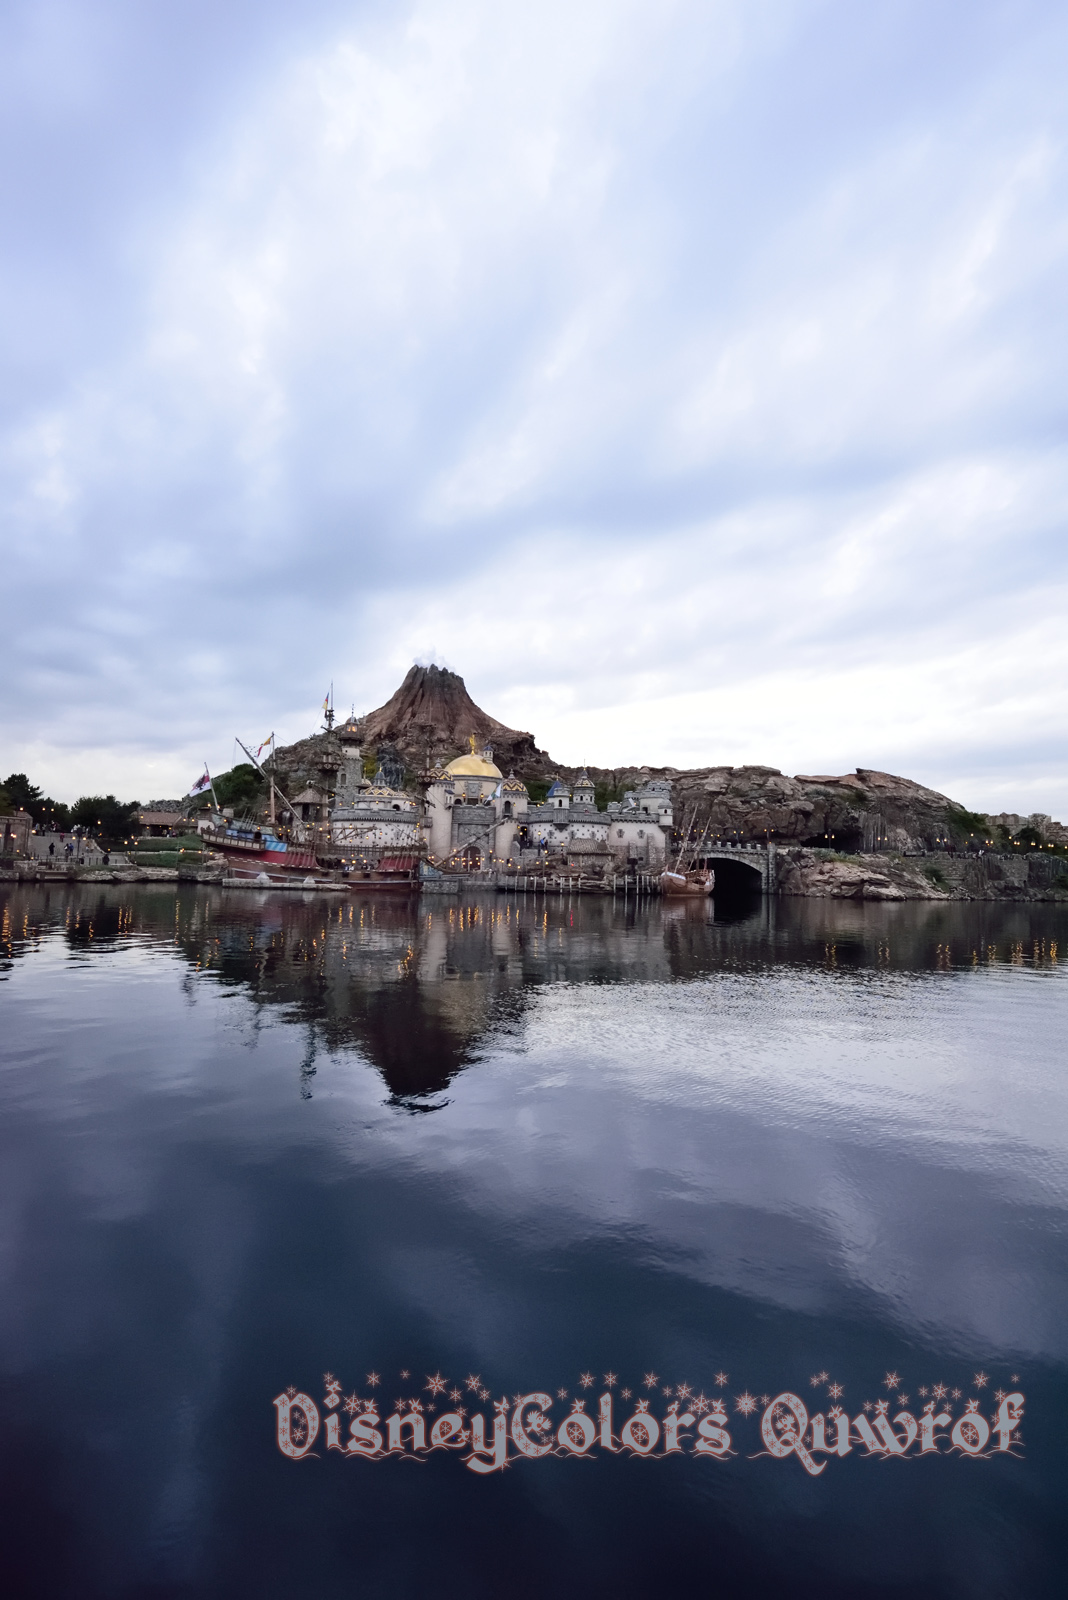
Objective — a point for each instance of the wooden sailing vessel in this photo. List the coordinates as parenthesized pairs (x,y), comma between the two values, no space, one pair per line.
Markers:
(684,878)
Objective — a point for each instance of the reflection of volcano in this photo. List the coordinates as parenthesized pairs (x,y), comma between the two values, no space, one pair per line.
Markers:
(413,990)
(418,988)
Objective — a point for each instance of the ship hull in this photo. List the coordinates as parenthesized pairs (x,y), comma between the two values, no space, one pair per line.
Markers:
(679,885)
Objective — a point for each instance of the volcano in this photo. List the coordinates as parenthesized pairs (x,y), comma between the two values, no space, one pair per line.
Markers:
(433,714)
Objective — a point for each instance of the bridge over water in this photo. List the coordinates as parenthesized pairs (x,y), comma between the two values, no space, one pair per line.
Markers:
(741,865)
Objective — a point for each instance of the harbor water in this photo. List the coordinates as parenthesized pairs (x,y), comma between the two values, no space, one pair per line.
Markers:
(420,1158)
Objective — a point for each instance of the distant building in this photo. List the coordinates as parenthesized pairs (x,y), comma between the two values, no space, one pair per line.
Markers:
(369,818)
(159,824)
(475,814)
(15,830)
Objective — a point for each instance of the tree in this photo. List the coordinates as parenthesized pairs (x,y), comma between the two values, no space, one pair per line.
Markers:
(21,793)
(106,818)
(241,787)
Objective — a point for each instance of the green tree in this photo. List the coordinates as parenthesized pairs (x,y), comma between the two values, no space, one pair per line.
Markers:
(107,819)
(21,793)
(26,796)
(241,787)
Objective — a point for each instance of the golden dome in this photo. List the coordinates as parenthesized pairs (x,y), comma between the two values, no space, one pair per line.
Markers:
(472,766)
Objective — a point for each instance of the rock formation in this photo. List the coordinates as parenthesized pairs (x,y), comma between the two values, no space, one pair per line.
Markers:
(433,711)
(430,714)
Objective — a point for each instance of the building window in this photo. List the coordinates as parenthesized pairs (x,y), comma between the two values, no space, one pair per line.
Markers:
(619,833)
(641,833)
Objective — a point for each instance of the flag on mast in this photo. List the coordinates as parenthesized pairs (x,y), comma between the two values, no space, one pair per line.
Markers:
(202,783)
(269,740)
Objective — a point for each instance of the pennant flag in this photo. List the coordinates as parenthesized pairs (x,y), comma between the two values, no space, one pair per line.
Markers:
(202,783)
(264,745)
(326,703)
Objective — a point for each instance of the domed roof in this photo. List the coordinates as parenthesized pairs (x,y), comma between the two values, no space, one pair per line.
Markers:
(472,766)
(583,781)
(513,785)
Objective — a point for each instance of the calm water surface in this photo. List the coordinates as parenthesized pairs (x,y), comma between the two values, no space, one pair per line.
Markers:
(246,1142)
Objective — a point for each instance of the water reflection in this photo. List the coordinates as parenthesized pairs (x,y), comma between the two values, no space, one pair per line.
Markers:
(767,1137)
(418,987)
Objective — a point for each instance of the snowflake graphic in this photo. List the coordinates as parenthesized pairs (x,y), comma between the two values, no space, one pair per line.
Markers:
(902,1399)
(667,1390)
(814,1381)
(684,1391)
(999,1395)
(456,1395)
(329,1380)
(587,1380)
(891,1380)
(939,1391)
(610,1379)
(474,1382)
(700,1404)
(561,1394)
(835,1391)
(373,1380)
(981,1380)
(923,1391)
(650,1381)
(956,1394)
(291,1391)
(406,1373)
(436,1384)
(823,1377)
(624,1394)
(868,1407)
(483,1394)
(745,1404)
(722,1379)
(352,1403)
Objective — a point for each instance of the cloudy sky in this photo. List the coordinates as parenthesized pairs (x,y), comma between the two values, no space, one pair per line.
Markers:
(689,376)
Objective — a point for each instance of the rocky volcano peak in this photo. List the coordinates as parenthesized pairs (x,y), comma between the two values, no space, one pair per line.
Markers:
(432,711)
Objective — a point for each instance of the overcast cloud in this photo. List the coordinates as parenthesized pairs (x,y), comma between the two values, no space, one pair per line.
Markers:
(691,377)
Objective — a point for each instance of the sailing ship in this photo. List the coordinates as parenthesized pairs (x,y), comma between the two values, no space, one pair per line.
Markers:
(684,878)
(271,850)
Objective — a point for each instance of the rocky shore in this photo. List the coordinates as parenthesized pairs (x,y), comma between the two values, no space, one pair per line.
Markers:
(827,875)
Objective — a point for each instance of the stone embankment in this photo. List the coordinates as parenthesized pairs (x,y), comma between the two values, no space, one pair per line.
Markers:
(826,875)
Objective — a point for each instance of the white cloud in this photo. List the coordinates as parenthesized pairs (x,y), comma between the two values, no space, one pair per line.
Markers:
(693,374)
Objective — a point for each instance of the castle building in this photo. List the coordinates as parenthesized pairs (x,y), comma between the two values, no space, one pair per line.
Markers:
(369,817)
(476,814)
(476,817)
